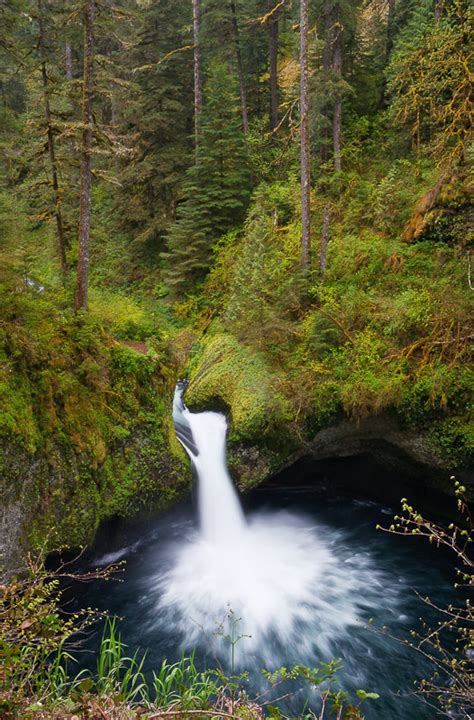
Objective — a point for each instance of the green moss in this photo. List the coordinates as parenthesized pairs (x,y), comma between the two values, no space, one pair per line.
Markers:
(241,378)
(453,438)
(89,420)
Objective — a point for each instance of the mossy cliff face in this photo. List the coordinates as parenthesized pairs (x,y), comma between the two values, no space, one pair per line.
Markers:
(86,434)
(58,500)
(270,426)
(227,375)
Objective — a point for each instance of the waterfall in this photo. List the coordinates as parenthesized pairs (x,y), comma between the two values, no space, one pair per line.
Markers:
(281,576)
(203,436)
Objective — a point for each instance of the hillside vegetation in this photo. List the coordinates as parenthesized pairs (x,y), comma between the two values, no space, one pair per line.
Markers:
(193,249)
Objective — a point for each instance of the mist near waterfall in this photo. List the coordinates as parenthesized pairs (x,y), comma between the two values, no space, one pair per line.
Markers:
(294,575)
(288,585)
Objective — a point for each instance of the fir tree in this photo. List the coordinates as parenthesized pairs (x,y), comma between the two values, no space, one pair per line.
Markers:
(217,188)
(429,79)
(158,126)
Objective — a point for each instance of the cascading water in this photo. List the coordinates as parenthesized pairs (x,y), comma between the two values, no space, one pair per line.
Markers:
(293,592)
(304,578)
(203,437)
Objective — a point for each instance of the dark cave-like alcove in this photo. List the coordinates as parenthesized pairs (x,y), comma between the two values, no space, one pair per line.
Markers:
(383,477)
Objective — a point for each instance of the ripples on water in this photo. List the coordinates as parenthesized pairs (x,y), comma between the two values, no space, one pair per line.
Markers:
(305,580)
(298,582)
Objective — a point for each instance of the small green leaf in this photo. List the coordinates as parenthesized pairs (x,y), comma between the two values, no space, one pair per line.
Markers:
(363,695)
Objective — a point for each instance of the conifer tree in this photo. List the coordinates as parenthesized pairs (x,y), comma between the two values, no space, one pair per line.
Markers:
(238,56)
(390,27)
(217,188)
(31,39)
(337,69)
(82,284)
(158,126)
(304,136)
(197,69)
(273,27)
(62,241)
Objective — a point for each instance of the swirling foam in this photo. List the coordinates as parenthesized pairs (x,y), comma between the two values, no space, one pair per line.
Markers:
(294,589)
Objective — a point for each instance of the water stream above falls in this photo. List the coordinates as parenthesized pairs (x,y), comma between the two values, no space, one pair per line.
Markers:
(300,573)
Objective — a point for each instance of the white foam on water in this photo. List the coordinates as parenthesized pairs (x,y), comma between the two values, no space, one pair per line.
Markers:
(294,588)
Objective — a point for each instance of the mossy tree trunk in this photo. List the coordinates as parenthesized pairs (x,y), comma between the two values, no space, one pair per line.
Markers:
(439,8)
(238,55)
(337,67)
(273,51)
(390,28)
(197,68)
(85,187)
(62,240)
(304,136)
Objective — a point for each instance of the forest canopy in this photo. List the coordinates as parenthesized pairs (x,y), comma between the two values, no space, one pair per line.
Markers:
(286,182)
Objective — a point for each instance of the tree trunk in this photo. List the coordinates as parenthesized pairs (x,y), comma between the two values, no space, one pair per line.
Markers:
(324,240)
(68,55)
(328,37)
(327,62)
(304,131)
(243,95)
(62,242)
(197,68)
(337,116)
(390,28)
(439,9)
(273,46)
(69,76)
(85,186)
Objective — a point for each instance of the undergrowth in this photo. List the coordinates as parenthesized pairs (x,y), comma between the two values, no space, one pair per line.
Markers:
(387,328)
(39,646)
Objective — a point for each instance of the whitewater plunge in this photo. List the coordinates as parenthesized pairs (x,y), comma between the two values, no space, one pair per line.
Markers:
(286,581)
(304,568)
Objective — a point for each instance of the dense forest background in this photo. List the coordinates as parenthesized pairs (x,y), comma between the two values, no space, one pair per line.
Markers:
(272,195)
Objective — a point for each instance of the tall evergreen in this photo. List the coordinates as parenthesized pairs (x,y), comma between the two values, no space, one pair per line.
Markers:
(238,57)
(273,27)
(157,126)
(42,41)
(217,187)
(82,284)
(304,137)
(197,62)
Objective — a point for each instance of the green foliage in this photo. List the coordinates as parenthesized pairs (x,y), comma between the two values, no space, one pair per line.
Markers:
(265,277)
(322,681)
(159,117)
(35,666)
(388,328)
(448,645)
(431,61)
(454,438)
(15,240)
(123,316)
(33,636)
(181,685)
(119,676)
(217,188)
